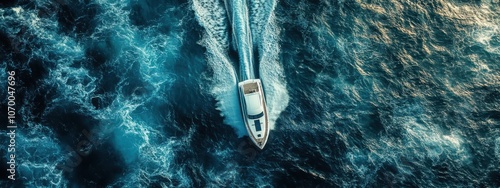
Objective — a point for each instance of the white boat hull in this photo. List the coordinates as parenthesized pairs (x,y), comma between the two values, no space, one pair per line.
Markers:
(254,110)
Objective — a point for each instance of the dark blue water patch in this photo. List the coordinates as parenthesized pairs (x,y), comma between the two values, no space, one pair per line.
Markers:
(3,164)
(105,92)
(200,158)
(494,178)
(256,63)
(294,36)
(191,62)
(183,121)
(101,167)
(448,172)
(482,153)
(31,67)
(389,127)
(310,158)
(109,74)
(5,45)
(4,105)
(204,121)
(301,64)
(76,17)
(306,179)
(137,15)
(233,58)
(134,86)
(487,114)
(492,97)
(308,109)
(8,3)
(388,175)
(186,101)
(100,51)
(163,17)
(97,102)
(4,180)
(443,113)
(442,172)
(418,81)
(190,68)
(186,94)
(39,100)
(34,73)
(102,99)
(69,121)
(417,77)
(17,48)
(26,4)
(196,175)
(479,51)
(149,12)
(29,78)
(440,103)
(298,10)
(375,125)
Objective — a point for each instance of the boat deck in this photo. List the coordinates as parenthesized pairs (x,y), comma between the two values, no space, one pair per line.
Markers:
(250,88)
(254,87)
(262,141)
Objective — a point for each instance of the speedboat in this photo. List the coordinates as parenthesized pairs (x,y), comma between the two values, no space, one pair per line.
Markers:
(253,108)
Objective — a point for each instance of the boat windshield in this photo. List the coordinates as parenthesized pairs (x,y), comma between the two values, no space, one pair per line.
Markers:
(256,116)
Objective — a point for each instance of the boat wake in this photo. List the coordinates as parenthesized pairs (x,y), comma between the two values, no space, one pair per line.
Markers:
(265,34)
(212,15)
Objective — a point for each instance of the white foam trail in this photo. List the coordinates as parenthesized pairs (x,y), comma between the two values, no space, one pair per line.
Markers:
(261,14)
(211,15)
(242,38)
(270,70)
(226,93)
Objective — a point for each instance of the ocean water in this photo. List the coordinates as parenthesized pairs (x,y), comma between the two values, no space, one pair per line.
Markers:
(131,93)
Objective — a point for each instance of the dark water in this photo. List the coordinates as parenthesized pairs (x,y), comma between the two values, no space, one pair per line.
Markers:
(361,94)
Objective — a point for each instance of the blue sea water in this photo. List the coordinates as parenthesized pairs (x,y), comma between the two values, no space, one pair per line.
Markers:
(130,93)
